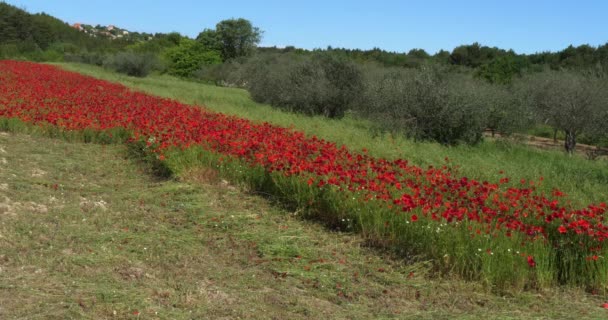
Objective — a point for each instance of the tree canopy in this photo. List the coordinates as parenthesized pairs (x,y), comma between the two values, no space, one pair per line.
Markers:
(233,38)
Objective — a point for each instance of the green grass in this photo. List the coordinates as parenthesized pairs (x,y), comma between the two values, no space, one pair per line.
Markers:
(585,181)
(448,248)
(85,233)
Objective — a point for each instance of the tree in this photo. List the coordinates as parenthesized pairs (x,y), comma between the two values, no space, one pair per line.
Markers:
(323,84)
(570,101)
(209,39)
(188,57)
(507,110)
(502,69)
(237,38)
(426,104)
(474,55)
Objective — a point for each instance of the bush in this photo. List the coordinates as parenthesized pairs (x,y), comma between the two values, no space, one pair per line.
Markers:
(189,57)
(233,73)
(507,109)
(323,84)
(132,64)
(426,104)
(9,50)
(94,58)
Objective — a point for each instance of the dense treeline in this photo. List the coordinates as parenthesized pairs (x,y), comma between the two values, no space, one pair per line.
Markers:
(448,97)
(490,63)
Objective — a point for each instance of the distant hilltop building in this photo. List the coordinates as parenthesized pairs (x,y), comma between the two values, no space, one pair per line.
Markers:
(111,32)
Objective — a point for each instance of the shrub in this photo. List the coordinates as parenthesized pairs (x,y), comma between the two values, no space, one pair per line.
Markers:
(232,73)
(507,109)
(94,58)
(324,84)
(189,57)
(132,64)
(426,104)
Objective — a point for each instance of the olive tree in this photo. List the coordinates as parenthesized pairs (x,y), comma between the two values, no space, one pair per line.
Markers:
(321,84)
(570,101)
(426,104)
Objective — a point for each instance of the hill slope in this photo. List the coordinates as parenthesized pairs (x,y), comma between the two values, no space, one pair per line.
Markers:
(84,233)
(24,32)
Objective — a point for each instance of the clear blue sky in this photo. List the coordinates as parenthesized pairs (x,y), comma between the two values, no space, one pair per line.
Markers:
(524,26)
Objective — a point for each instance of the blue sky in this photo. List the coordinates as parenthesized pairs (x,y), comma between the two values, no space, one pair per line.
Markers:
(524,26)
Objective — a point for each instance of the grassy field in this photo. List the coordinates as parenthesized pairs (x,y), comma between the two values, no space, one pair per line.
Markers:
(585,181)
(86,233)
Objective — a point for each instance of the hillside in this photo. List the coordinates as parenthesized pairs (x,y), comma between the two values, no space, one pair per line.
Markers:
(23,32)
(85,233)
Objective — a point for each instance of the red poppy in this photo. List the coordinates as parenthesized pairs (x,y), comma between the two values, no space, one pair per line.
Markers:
(531,262)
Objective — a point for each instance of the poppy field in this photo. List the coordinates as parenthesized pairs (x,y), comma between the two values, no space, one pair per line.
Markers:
(508,233)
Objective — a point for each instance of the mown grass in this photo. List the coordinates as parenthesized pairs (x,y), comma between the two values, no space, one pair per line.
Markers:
(584,181)
(85,233)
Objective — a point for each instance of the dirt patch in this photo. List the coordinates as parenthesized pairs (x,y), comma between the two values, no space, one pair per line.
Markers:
(88,205)
(37,173)
(214,295)
(201,175)
(11,208)
(7,207)
(35,207)
(131,273)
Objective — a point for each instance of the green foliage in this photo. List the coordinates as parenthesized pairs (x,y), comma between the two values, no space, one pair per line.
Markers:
(324,84)
(474,55)
(570,101)
(233,73)
(507,110)
(158,43)
(503,69)
(94,58)
(34,33)
(8,50)
(210,39)
(233,38)
(189,56)
(132,64)
(426,104)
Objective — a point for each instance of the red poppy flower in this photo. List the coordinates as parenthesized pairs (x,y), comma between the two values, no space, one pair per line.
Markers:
(531,262)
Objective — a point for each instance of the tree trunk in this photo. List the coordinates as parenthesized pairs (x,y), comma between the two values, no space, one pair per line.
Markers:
(555,136)
(570,143)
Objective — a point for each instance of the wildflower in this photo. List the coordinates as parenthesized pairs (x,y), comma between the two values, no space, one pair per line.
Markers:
(531,262)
